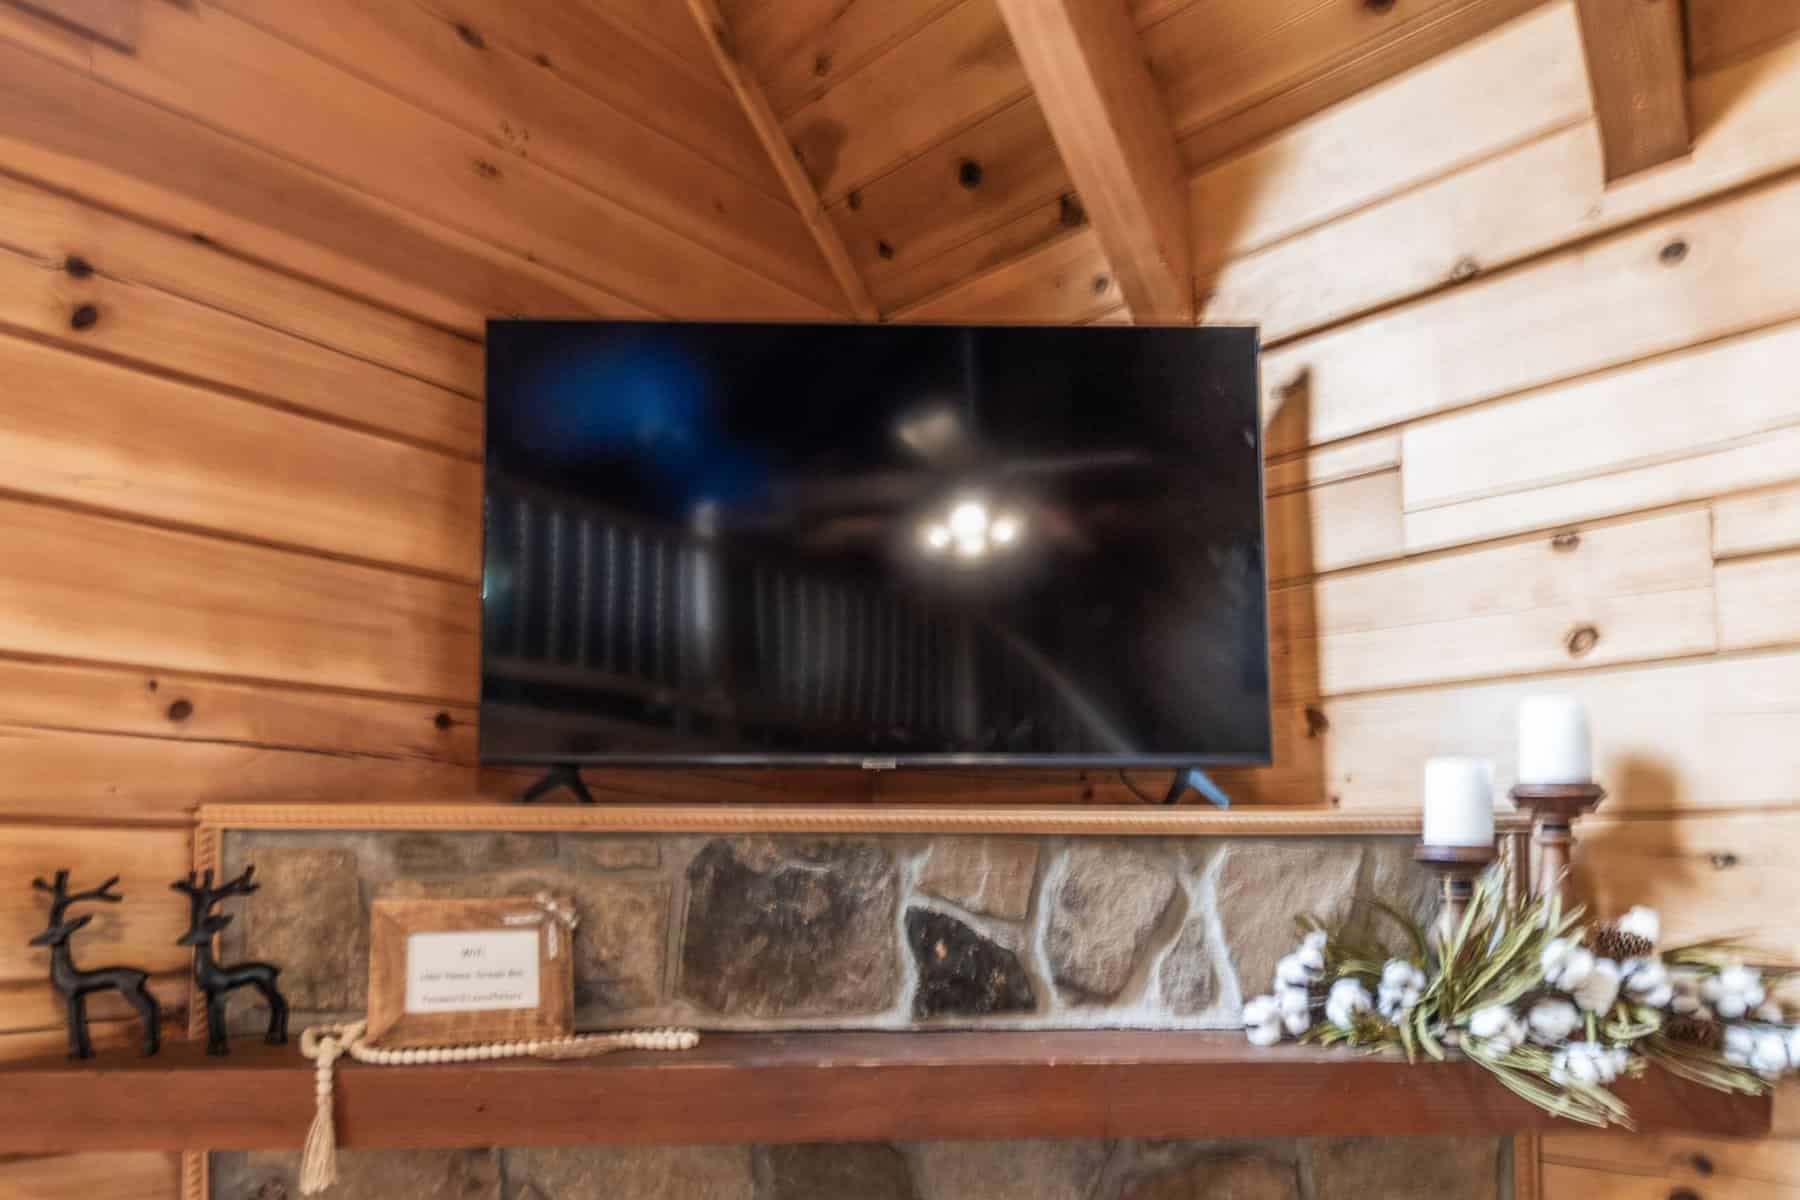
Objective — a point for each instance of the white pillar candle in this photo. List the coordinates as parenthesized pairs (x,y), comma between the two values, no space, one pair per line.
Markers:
(1554,743)
(1459,802)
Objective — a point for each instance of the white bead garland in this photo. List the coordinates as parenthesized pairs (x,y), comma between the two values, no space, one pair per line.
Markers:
(324,1044)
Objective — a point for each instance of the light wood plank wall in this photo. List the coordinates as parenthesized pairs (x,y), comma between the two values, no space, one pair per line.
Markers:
(1525,432)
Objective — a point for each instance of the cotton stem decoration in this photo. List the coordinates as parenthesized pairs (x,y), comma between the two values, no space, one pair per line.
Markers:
(1558,1010)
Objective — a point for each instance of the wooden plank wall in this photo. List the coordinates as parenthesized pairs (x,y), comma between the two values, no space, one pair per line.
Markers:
(1525,432)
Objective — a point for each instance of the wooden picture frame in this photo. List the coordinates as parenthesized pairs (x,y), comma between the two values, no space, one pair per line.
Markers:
(514,951)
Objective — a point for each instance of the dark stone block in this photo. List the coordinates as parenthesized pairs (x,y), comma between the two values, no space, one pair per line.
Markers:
(961,972)
(790,929)
(838,1172)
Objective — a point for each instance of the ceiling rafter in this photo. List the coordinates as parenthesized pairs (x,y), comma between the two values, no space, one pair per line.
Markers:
(1637,67)
(717,32)
(1113,131)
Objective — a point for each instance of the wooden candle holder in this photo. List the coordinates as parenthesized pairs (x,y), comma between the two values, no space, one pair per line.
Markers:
(1554,809)
(1458,867)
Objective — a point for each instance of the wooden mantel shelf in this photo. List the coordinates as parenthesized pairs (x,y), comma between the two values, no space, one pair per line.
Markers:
(801,1087)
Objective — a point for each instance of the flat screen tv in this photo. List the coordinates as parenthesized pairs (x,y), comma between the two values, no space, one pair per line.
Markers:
(873,544)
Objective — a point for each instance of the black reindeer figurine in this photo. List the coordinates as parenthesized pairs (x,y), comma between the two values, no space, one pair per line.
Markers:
(218,981)
(74,984)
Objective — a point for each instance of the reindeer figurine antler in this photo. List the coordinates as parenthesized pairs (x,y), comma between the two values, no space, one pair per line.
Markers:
(74,984)
(219,981)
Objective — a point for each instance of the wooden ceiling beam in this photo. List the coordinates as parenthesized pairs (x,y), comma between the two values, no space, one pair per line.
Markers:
(1091,78)
(717,32)
(1637,66)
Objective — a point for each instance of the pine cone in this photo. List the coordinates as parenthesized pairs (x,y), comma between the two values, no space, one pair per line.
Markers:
(1694,1031)
(1608,942)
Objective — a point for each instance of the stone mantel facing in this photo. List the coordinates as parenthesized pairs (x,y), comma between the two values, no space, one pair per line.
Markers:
(782,931)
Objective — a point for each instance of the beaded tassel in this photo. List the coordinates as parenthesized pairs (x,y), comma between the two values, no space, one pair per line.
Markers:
(325,1044)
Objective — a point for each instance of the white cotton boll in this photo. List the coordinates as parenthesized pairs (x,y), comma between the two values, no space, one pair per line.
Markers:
(1311,953)
(1645,975)
(1684,1004)
(1768,1056)
(1601,987)
(1347,998)
(1261,1010)
(1262,1021)
(1739,1043)
(1769,1011)
(1642,921)
(1398,973)
(1731,1006)
(1576,969)
(1291,1000)
(1582,1068)
(1296,1023)
(1491,1021)
(1291,972)
(1659,997)
(1793,1047)
(1552,1021)
(1554,956)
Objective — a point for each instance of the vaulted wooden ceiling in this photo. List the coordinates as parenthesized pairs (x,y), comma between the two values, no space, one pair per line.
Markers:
(934,141)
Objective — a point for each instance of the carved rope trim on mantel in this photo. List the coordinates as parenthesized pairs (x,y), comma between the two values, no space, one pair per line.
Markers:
(817,818)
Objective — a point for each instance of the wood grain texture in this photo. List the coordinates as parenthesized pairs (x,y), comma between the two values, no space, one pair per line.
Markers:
(92,433)
(112,21)
(1236,72)
(958,68)
(1085,64)
(1524,200)
(812,1087)
(1655,288)
(86,586)
(53,229)
(88,311)
(1334,525)
(146,702)
(1757,523)
(767,125)
(1637,67)
(1680,1159)
(801,49)
(1066,280)
(616,57)
(532,114)
(1720,32)
(60,126)
(144,1175)
(1727,873)
(1638,417)
(1759,602)
(1641,590)
(1418,126)
(921,227)
(411,158)
(1564,1182)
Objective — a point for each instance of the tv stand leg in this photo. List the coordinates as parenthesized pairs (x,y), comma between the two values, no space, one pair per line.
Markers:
(1194,779)
(562,775)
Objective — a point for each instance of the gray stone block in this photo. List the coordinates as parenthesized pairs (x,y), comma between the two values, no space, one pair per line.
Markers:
(1104,912)
(1406,1168)
(838,1172)
(630,1173)
(791,929)
(1261,886)
(990,876)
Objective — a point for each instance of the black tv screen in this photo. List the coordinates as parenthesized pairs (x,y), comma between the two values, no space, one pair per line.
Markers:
(753,543)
